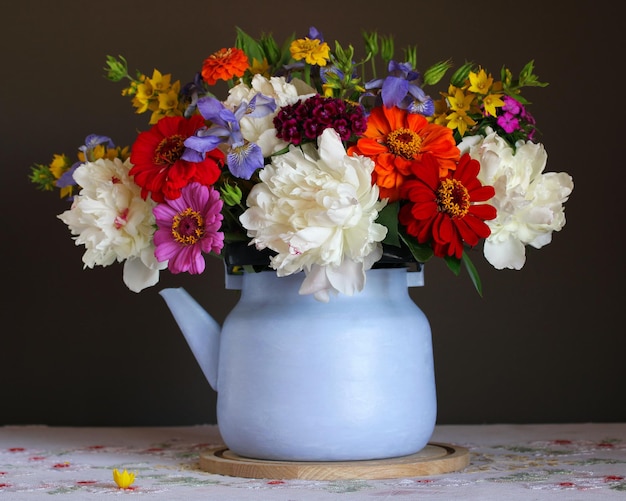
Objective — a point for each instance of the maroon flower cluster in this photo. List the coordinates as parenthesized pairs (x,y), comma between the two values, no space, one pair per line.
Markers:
(305,120)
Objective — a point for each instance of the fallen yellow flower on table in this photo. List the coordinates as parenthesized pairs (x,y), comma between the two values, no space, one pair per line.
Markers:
(124,479)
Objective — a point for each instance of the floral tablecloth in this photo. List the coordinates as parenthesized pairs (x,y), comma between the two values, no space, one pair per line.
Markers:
(507,462)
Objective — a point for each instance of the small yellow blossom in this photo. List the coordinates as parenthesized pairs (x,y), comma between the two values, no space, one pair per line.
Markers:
(168,101)
(124,479)
(312,51)
(460,120)
(491,102)
(159,82)
(480,82)
(459,101)
(260,67)
(59,164)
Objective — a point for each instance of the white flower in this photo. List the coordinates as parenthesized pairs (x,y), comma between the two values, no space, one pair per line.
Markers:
(261,130)
(113,222)
(529,202)
(317,209)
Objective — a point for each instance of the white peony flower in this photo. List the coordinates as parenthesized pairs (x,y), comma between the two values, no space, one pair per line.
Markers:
(529,202)
(317,209)
(261,130)
(113,222)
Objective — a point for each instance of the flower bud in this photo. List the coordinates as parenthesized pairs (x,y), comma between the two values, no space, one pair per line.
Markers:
(116,69)
(436,72)
(231,195)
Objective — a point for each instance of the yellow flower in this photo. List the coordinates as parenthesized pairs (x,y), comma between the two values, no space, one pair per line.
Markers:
(312,51)
(143,98)
(124,479)
(459,101)
(117,152)
(460,120)
(59,164)
(159,82)
(491,102)
(168,101)
(480,82)
(260,67)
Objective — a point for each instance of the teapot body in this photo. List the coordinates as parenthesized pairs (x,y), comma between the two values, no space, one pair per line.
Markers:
(301,380)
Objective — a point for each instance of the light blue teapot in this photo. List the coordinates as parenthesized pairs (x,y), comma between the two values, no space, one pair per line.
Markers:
(302,380)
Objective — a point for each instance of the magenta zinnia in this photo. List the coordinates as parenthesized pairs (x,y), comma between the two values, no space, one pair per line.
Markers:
(187,227)
(445,211)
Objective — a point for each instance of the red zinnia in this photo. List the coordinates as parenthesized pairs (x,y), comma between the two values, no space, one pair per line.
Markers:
(157,164)
(224,65)
(443,210)
(397,141)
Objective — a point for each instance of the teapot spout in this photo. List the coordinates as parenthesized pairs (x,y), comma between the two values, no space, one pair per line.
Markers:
(201,331)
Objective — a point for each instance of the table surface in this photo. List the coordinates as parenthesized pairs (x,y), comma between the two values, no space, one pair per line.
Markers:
(507,462)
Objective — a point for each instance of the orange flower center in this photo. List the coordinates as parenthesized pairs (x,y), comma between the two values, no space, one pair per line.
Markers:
(222,54)
(169,150)
(404,143)
(453,198)
(188,227)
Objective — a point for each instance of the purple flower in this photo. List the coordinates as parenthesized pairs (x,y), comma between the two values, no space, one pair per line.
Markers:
(516,117)
(401,88)
(512,105)
(508,122)
(187,227)
(91,141)
(243,157)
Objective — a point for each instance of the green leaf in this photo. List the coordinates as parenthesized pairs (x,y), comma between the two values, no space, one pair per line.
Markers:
(389,217)
(249,45)
(453,263)
(527,78)
(270,48)
(286,53)
(421,252)
(473,273)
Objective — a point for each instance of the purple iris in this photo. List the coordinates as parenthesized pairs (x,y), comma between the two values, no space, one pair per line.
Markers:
(243,157)
(91,141)
(193,91)
(315,34)
(401,88)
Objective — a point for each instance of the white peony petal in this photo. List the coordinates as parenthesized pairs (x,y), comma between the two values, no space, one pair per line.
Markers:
(509,253)
(137,276)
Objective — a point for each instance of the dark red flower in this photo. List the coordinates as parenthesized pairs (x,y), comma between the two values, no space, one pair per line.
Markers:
(157,164)
(443,211)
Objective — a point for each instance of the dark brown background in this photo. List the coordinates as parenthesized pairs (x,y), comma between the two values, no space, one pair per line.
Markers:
(77,348)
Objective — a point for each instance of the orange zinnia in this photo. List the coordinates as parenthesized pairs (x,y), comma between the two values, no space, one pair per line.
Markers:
(224,65)
(397,141)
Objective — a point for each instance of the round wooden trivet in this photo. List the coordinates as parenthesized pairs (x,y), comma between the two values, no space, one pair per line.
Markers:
(434,459)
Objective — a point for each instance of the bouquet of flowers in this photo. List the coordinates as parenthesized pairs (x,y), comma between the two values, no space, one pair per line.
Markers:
(317,160)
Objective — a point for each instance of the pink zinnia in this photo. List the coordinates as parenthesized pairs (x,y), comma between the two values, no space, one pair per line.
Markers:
(187,227)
